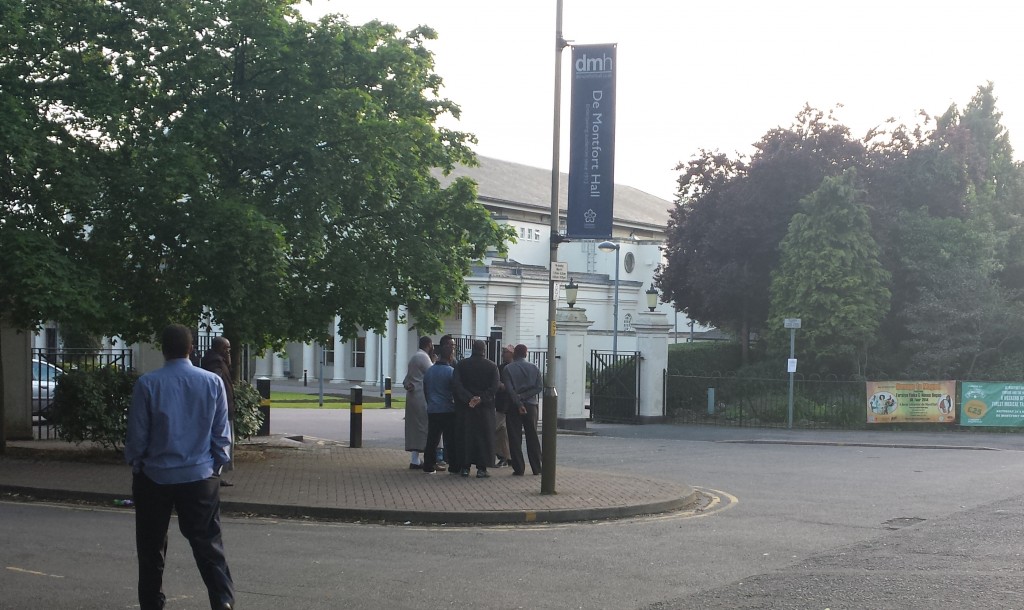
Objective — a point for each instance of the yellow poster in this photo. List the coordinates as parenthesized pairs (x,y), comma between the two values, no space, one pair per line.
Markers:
(911,401)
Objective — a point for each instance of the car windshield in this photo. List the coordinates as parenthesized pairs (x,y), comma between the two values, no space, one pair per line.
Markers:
(42,371)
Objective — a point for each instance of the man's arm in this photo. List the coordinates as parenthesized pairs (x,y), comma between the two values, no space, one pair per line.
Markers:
(459,391)
(220,437)
(535,384)
(510,387)
(138,428)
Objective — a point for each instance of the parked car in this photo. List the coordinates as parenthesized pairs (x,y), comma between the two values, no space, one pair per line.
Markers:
(44,382)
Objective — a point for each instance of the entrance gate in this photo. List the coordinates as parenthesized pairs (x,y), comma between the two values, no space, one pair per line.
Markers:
(614,386)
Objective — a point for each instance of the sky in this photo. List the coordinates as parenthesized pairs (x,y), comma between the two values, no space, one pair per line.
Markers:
(713,75)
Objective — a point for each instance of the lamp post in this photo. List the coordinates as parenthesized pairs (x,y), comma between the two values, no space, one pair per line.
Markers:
(652,298)
(607,246)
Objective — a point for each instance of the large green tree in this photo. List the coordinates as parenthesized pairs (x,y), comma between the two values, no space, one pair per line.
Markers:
(829,276)
(724,232)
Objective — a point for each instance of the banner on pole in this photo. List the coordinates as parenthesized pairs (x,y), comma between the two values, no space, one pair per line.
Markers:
(592,142)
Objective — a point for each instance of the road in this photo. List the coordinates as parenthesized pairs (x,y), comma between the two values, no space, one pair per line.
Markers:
(794,526)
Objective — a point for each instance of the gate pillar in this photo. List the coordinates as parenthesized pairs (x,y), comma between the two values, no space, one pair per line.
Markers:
(652,331)
(571,326)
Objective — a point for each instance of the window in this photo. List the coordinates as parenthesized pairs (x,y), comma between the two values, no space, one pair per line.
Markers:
(329,354)
(529,234)
(522,233)
(359,352)
(627,322)
(629,262)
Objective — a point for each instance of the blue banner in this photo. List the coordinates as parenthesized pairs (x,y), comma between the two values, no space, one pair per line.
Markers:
(592,142)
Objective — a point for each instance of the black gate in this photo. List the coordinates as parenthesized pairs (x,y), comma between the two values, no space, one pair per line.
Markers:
(614,386)
(49,364)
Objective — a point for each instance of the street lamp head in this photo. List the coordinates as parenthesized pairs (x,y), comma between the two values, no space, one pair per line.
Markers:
(571,290)
(607,246)
(652,298)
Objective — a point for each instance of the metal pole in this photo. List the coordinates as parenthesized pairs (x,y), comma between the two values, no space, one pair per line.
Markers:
(387,392)
(792,354)
(615,314)
(549,430)
(355,427)
(323,357)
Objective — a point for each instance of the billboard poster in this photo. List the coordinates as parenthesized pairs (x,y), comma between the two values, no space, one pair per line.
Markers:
(911,401)
(991,404)
(591,142)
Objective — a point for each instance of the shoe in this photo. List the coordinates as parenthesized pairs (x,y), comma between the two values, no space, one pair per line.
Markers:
(501,463)
(465,472)
(482,474)
(226,483)
(442,464)
(518,474)
(429,472)
(415,466)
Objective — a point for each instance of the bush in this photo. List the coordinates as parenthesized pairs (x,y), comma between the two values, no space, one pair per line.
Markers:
(248,417)
(93,406)
(703,358)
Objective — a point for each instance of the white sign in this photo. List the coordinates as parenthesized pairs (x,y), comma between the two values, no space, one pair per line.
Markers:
(559,272)
(791,323)
(791,365)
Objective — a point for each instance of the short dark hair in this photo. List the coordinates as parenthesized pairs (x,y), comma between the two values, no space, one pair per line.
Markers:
(426,342)
(520,351)
(447,339)
(176,341)
(479,347)
(219,342)
(445,352)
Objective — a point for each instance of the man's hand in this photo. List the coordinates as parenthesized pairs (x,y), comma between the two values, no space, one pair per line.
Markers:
(473,402)
(522,410)
(409,387)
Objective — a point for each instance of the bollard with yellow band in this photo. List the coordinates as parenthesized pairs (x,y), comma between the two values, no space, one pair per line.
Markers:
(263,387)
(387,392)
(355,428)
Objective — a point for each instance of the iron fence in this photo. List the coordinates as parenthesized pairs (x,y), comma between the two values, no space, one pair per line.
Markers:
(730,400)
(49,364)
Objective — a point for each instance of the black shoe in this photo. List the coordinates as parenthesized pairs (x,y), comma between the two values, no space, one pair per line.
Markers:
(226,483)
(518,474)
(482,474)
(501,463)
(415,466)
(465,472)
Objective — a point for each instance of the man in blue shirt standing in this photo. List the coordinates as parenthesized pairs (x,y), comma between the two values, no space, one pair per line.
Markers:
(178,442)
(437,387)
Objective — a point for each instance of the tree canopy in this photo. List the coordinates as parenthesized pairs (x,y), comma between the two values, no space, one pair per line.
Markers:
(927,241)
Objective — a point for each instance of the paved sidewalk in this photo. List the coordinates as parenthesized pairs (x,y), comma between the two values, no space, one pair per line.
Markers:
(278,476)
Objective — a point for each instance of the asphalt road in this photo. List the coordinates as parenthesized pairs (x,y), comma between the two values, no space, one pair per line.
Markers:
(790,526)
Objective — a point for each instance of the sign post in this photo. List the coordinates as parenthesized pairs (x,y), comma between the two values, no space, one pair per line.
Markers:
(792,324)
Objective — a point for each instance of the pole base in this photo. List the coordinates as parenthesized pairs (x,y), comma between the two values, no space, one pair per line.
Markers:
(574,424)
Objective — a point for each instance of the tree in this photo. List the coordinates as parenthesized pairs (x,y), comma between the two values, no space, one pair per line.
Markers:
(829,276)
(724,232)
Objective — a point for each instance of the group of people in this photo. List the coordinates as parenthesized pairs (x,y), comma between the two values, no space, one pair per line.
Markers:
(480,410)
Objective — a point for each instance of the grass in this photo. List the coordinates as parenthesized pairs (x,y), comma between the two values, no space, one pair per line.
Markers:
(298,400)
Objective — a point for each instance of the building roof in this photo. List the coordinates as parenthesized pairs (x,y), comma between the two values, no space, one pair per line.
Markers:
(517,185)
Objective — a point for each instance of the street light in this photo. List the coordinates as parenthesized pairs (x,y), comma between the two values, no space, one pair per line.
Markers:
(607,246)
(571,290)
(652,298)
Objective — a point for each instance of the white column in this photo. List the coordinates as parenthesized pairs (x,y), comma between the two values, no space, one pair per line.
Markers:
(571,366)
(392,359)
(652,342)
(309,364)
(276,366)
(484,318)
(262,368)
(467,319)
(372,364)
(338,374)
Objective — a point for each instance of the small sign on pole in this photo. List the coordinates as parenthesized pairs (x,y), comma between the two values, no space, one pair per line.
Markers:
(791,365)
(791,323)
(559,272)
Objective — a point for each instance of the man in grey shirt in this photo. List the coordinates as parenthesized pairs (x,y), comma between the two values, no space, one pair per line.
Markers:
(523,382)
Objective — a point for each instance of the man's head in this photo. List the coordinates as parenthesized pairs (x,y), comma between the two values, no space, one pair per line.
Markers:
(445,352)
(426,344)
(223,347)
(176,342)
(479,347)
(508,353)
(447,340)
(520,351)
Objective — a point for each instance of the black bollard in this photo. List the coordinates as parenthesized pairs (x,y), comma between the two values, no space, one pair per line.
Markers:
(305,377)
(263,387)
(387,392)
(355,427)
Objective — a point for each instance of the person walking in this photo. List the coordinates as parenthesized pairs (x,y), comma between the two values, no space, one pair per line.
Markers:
(416,402)
(437,386)
(178,442)
(502,403)
(217,360)
(523,382)
(474,384)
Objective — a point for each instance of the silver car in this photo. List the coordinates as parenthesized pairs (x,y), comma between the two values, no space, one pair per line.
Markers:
(44,382)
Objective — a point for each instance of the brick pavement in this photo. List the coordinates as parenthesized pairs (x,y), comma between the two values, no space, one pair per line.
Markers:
(325,479)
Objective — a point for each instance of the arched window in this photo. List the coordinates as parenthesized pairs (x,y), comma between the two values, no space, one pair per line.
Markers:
(627,322)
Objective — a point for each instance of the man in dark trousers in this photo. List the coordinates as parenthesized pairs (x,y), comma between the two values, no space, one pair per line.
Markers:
(178,442)
(524,384)
(474,384)
(217,360)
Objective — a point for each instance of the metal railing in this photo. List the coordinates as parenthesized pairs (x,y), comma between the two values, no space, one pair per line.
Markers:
(614,386)
(49,364)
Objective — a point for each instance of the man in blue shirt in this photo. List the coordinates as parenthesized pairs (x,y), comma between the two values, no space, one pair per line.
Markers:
(440,408)
(178,442)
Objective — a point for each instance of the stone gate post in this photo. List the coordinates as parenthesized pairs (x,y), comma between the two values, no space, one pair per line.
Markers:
(652,342)
(571,366)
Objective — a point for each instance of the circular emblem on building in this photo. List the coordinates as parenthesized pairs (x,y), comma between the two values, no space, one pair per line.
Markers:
(629,262)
